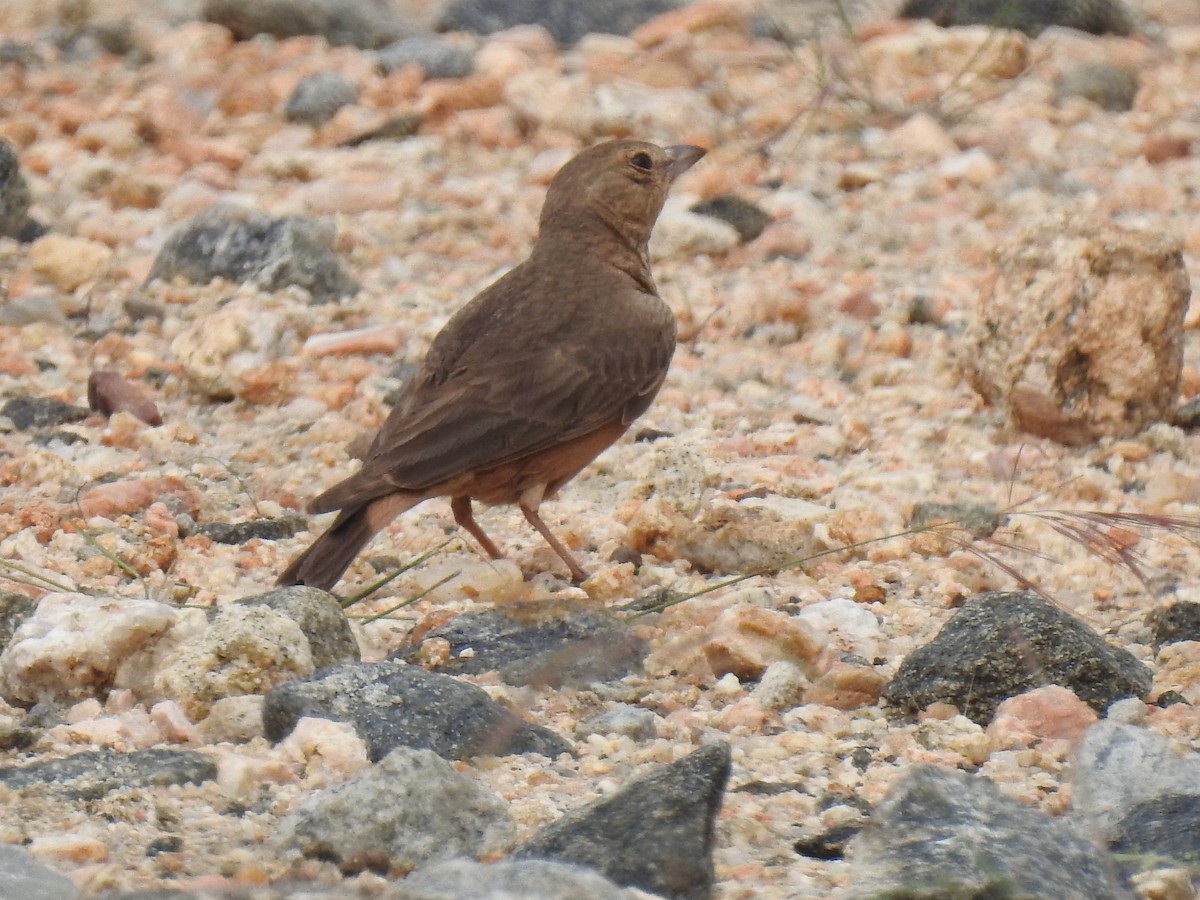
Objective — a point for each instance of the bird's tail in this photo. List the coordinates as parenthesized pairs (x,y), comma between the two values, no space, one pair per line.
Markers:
(323,563)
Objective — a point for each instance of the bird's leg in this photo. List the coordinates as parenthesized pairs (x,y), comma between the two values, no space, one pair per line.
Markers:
(529,503)
(461,507)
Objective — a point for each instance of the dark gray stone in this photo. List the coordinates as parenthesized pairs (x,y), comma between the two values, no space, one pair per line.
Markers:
(941,834)
(1030,16)
(360,23)
(656,833)
(321,618)
(1163,832)
(93,773)
(41,412)
(393,705)
(248,247)
(438,58)
(1109,87)
(410,809)
(316,99)
(14,609)
(1187,416)
(1176,622)
(24,878)
(527,879)
(14,193)
(748,219)
(576,649)
(1001,644)
(1119,768)
(566,20)
(260,529)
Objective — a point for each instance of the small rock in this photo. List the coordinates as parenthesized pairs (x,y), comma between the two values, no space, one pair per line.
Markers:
(248,247)
(1055,341)
(69,261)
(74,645)
(24,877)
(921,138)
(846,686)
(245,650)
(527,879)
(359,23)
(747,219)
(781,686)
(681,233)
(566,20)
(93,773)
(575,649)
(225,354)
(957,835)
(1180,621)
(999,645)
(411,808)
(33,307)
(438,58)
(110,393)
(40,412)
(727,537)
(392,705)
(631,721)
(746,639)
(656,833)
(1046,712)
(1109,87)
(14,609)
(254,529)
(234,719)
(1159,148)
(388,338)
(14,193)
(318,96)
(1095,17)
(1119,768)
(321,618)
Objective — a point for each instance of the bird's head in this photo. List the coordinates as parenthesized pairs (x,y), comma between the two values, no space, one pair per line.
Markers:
(623,184)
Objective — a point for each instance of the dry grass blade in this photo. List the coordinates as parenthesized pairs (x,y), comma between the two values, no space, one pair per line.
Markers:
(392,576)
(35,579)
(411,600)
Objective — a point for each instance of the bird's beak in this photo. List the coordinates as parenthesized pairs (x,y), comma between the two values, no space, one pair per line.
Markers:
(683,157)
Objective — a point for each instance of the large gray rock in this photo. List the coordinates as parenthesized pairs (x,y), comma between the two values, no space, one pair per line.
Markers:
(392,705)
(566,20)
(656,833)
(1030,16)
(522,879)
(248,247)
(410,809)
(1001,644)
(941,834)
(361,23)
(23,878)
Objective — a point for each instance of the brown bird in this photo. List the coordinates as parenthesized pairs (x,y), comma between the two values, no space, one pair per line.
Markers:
(531,380)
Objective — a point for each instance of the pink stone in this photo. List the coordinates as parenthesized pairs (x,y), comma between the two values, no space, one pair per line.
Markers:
(1046,712)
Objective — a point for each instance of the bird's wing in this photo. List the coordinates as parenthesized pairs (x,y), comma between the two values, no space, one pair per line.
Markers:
(495,408)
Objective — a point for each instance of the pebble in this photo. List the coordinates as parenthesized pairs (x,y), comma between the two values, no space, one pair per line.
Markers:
(410,808)
(69,262)
(427,711)
(317,98)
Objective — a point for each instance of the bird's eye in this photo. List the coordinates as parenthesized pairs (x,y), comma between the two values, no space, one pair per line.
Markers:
(642,161)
